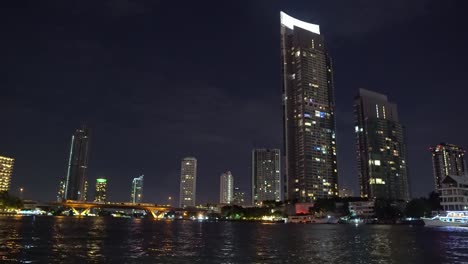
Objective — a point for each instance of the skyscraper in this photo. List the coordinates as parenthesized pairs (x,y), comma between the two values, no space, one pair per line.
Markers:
(6,170)
(226,188)
(75,183)
(266,175)
(381,148)
(447,159)
(101,190)
(308,112)
(137,189)
(188,182)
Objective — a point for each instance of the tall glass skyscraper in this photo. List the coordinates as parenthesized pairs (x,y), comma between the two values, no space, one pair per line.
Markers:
(447,160)
(381,148)
(266,175)
(226,188)
(75,183)
(308,113)
(188,182)
(137,189)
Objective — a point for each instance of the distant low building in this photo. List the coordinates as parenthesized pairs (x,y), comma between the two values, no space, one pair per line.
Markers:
(239,197)
(362,208)
(454,193)
(345,192)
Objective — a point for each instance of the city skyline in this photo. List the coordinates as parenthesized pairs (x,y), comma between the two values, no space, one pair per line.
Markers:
(74,84)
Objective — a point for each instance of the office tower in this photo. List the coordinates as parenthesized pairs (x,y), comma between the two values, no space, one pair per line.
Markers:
(188,182)
(101,190)
(75,184)
(308,113)
(137,189)
(239,197)
(381,148)
(266,175)
(6,170)
(447,159)
(226,188)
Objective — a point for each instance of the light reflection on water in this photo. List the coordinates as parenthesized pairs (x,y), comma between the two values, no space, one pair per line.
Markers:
(113,240)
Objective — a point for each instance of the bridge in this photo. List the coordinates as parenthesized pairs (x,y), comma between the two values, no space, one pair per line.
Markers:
(83,208)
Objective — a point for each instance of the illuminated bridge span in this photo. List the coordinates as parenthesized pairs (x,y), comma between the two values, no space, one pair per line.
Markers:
(83,208)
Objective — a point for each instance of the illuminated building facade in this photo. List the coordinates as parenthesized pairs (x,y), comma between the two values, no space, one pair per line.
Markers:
(188,182)
(381,148)
(6,170)
(239,197)
(101,190)
(453,192)
(137,189)
(308,113)
(266,175)
(76,181)
(447,159)
(226,188)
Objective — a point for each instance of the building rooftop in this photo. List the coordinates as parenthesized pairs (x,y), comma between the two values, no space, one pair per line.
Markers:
(291,22)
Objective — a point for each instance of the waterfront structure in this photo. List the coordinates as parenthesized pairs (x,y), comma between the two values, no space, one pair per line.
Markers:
(75,182)
(239,197)
(226,188)
(453,192)
(6,170)
(364,209)
(101,190)
(266,175)
(188,182)
(447,160)
(308,113)
(381,148)
(137,189)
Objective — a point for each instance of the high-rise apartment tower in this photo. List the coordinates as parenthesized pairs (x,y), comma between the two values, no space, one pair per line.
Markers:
(447,160)
(381,148)
(308,112)
(188,182)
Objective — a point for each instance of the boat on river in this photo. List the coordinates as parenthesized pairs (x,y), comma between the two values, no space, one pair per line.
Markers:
(452,218)
(310,219)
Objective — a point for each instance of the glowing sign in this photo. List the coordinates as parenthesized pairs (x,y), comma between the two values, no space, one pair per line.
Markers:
(291,22)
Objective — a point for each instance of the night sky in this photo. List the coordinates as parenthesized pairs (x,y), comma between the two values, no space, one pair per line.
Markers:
(161,80)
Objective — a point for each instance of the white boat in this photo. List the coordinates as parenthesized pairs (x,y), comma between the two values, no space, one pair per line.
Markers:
(310,219)
(453,218)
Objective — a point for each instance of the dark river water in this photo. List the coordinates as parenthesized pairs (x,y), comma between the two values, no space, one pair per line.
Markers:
(117,240)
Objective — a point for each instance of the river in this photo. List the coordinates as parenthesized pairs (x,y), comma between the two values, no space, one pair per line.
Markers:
(121,240)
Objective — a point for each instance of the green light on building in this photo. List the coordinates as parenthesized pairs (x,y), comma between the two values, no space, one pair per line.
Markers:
(101,180)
